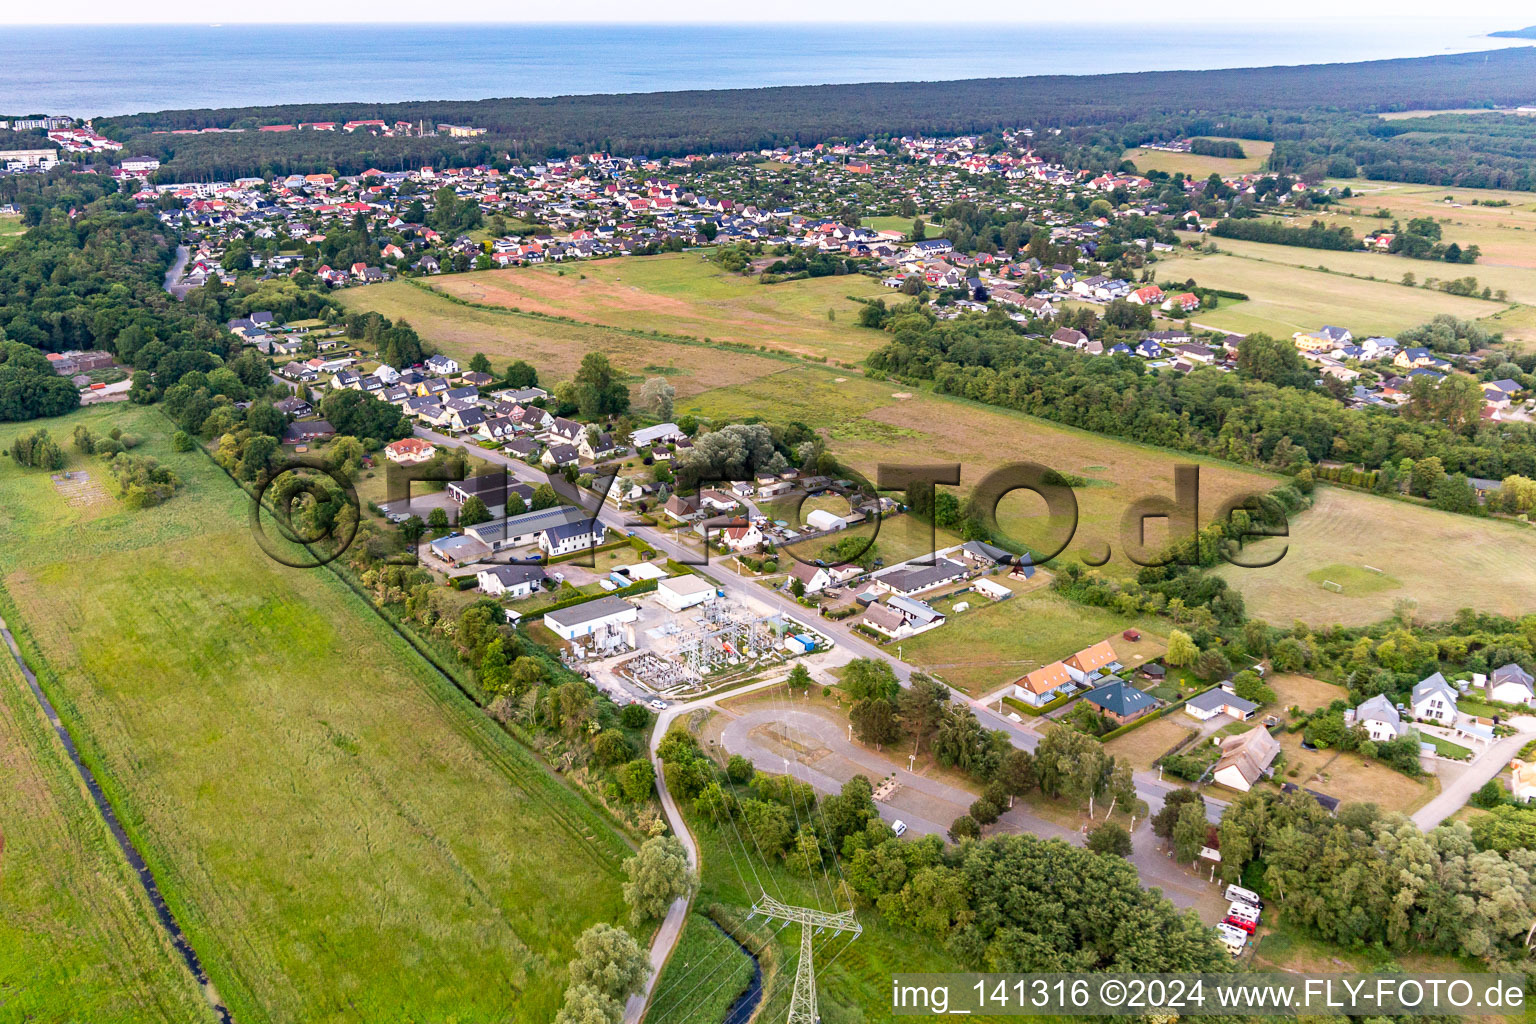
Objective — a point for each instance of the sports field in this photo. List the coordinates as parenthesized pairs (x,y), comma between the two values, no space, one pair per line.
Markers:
(686,294)
(1442,561)
(1284,298)
(342,835)
(871,422)
(1255,152)
(78,938)
(555,347)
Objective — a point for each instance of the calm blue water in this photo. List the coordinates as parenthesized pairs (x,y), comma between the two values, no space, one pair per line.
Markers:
(91,71)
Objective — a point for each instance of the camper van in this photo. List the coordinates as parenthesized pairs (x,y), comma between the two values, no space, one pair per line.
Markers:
(1237,894)
(1235,939)
(1246,912)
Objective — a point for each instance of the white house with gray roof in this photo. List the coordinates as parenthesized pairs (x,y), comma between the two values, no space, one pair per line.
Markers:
(1380,719)
(1434,700)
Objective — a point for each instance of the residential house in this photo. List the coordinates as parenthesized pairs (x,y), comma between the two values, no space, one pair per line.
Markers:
(1089,663)
(1380,719)
(815,578)
(594,446)
(568,431)
(577,536)
(1218,701)
(410,451)
(741,535)
(680,509)
(1119,701)
(558,456)
(1245,759)
(510,580)
(442,366)
(1522,780)
(1043,684)
(307,431)
(1434,700)
(1510,684)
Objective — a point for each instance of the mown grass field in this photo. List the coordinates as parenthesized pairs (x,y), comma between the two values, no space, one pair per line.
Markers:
(11,229)
(686,294)
(871,422)
(342,835)
(1284,298)
(1505,234)
(1255,152)
(555,347)
(78,938)
(993,644)
(1443,562)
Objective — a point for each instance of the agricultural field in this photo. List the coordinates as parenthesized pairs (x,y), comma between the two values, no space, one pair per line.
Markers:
(686,294)
(1255,152)
(868,423)
(343,836)
(1505,234)
(1284,298)
(555,347)
(990,646)
(78,938)
(1441,561)
(1518,282)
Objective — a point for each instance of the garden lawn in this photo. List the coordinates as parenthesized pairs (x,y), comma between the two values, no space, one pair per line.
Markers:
(1144,745)
(342,835)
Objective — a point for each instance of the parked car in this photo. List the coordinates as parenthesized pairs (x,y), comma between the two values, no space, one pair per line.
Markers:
(899,827)
(658,705)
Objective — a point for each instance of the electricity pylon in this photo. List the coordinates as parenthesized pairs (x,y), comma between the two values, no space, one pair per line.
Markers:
(802,1005)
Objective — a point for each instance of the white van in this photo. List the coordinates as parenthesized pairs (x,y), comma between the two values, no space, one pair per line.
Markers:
(1237,894)
(1244,912)
(899,827)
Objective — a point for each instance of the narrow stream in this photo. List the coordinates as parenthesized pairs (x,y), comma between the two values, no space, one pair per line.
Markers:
(746,1004)
(178,939)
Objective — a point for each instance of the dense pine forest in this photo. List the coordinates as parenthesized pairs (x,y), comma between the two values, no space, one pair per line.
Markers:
(1321,117)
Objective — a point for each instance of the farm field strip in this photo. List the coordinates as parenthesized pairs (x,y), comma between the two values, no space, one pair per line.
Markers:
(555,347)
(342,835)
(1284,299)
(78,936)
(1256,152)
(685,294)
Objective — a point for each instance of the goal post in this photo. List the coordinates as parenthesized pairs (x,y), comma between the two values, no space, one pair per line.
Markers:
(1337,588)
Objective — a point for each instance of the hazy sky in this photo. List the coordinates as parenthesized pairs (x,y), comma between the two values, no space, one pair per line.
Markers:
(1516,13)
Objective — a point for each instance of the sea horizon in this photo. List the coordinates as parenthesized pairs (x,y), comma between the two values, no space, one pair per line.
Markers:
(94,71)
